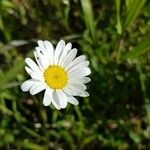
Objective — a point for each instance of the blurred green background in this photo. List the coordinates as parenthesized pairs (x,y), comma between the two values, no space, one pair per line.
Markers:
(115,37)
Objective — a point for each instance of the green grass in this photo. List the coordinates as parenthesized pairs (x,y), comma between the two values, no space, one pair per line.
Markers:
(115,37)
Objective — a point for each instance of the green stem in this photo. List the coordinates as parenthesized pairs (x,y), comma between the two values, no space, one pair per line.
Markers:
(142,81)
(143,89)
(118,55)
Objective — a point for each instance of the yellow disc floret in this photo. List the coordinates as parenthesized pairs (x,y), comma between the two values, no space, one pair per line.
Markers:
(56,77)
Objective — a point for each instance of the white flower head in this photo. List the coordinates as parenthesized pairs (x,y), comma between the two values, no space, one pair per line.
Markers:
(59,72)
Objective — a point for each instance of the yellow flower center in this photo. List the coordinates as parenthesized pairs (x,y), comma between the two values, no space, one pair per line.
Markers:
(56,77)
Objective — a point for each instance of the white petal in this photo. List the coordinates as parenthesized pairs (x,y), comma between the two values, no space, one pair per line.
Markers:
(80,73)
(77,87)
(86,80)
(59,48)
(63,98)
(56,101)
(47,97)
(68,47)
(69,91)
(28,70)
(76,81)
(49,46)
(60,98)
(43,58)
(73,100)
(32,64)
(42,46)
(39,51)
(69,58)
(79,66)
(55,105)
(46,49)
(76,61)
(65,52)
(84,94)
(37,87)
(40,56)
(38,61)
(50,51)
(82,80)
(45,62)
(28,84)
(37,76)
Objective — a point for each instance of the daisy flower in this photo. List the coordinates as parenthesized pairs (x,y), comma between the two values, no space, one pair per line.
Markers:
(59,72)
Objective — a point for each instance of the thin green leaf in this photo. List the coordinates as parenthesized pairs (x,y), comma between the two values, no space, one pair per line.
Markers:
(11,85)
(31,132)
(7,4)
(140,49)
(11,74)
(128,4)
(89,139)
(5,110)
(1,23)
(134,11)
(31,146)
(88,16)
(119,25)
(135,137)
(147,107)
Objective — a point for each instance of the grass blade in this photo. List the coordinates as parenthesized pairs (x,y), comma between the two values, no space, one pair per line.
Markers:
(11,74)
(31,146)
(140,49)
(119,25)
(88,16)
(134,11)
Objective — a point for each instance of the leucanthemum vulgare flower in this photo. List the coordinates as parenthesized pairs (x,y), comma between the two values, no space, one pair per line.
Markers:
(59,72)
